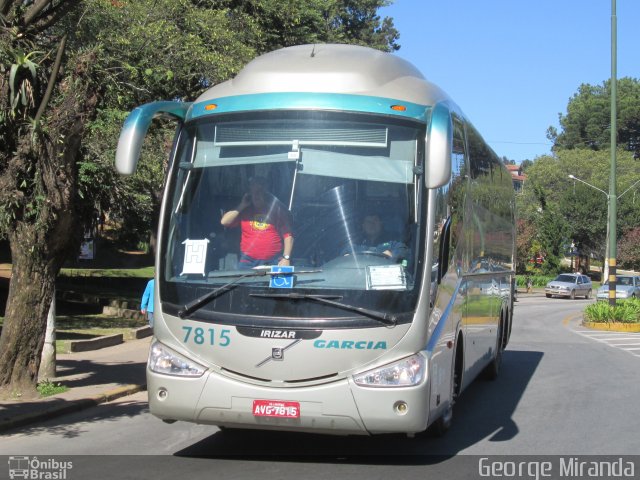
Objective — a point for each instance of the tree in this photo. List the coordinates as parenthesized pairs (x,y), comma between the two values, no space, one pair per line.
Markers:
(150,50)
(525,236)
(318,21)
(629,249)
(583,208)
(553,234)
(525,164)
(541,209)
(45,103)
(587,123)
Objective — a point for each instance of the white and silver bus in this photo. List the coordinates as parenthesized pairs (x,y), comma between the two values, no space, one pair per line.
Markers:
(342,339)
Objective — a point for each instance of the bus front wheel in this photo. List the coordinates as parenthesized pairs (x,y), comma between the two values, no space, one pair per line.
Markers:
(444,422)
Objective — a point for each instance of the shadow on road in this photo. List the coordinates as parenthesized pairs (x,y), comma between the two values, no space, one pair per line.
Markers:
(484,410)
(71,424)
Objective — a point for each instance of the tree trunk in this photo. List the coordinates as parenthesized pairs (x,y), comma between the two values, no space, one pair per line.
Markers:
(46,226)
(48,358)
(30,292)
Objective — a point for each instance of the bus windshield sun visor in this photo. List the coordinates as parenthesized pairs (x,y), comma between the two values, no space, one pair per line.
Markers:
(383,317)
(194,305)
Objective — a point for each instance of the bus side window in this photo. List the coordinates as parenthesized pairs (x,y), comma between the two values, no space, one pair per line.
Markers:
(458,190)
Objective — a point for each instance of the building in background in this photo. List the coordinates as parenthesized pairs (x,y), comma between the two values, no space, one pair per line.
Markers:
(517,177)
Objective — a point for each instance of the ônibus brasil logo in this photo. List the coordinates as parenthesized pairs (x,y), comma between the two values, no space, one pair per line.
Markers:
(38,469)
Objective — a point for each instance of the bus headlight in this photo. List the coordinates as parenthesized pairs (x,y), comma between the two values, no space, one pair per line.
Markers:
(164,360)
(407,372)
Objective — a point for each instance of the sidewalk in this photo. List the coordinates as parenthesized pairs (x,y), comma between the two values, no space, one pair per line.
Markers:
(93,377)
(535,292)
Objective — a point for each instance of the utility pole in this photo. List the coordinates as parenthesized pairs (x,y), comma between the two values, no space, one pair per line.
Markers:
(612,174)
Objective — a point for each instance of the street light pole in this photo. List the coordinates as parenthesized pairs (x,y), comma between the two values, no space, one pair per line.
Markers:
(612,174)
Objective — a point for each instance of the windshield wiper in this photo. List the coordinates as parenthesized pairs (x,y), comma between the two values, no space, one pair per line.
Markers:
(194,305)
(383,317)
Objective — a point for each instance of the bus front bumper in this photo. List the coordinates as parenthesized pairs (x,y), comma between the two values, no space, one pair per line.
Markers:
(340,407)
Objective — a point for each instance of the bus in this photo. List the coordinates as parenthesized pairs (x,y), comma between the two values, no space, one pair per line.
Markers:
(339,339)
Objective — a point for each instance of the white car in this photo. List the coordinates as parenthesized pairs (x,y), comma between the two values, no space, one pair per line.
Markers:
(627,286)
(569,285)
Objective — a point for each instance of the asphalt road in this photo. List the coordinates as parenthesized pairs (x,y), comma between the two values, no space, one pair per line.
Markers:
(560,392)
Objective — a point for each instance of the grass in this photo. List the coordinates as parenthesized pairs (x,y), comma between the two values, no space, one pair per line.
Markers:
(96,322)
(142,272)
(48,388)
(84,327)
(625,311)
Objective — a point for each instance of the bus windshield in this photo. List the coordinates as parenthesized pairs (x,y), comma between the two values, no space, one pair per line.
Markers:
(342,188)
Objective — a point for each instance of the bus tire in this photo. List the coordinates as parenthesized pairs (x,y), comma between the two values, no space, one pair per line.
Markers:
(492,370)
(442,425)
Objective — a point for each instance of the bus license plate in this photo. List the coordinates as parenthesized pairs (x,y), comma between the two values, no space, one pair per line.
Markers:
(275,408)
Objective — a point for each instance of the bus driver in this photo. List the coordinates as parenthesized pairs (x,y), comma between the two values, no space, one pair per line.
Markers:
(265,223)
(375,239)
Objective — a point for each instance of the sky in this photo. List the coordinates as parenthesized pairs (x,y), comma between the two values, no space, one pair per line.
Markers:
(513,65)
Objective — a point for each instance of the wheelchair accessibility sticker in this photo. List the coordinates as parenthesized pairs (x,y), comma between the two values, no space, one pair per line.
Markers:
(281,281)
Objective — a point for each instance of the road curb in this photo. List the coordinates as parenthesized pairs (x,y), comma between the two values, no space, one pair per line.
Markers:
(97,343)
(63,407)
(602,326)
(613,326)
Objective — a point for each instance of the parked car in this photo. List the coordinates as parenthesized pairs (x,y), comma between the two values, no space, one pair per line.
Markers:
(569,285)
(627,286)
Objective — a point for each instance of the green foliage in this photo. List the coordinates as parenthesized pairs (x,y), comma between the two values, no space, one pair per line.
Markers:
(625,311)
(587,121)
(318,21)
(162,49)
(47,388)
(582,149)
(562,210)
(21,84)
(629,249)
(537,281)
(598,312)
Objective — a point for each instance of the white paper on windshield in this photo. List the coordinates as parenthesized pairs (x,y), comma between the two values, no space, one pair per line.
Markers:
(195,256)
(386,277)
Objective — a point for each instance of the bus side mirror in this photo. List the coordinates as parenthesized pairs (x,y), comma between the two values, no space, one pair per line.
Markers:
(438,152)
(135,128)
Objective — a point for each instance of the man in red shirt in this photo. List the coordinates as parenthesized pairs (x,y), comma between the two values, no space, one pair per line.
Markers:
(265,224)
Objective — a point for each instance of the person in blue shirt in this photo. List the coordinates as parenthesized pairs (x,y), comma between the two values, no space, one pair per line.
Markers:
(146,305)
(376,240)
